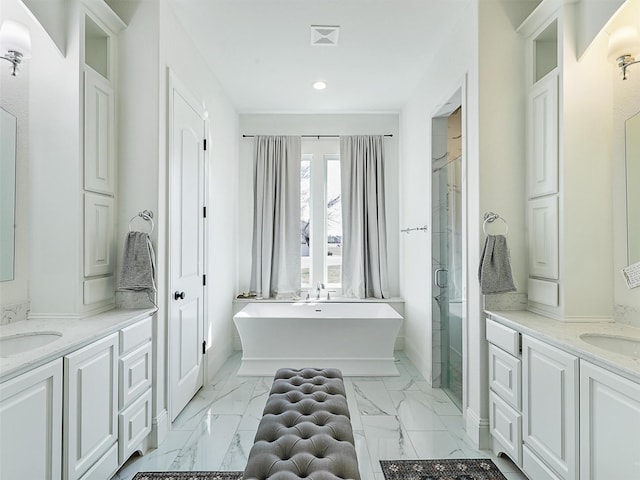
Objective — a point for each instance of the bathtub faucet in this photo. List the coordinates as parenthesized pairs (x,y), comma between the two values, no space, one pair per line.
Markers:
(319,288)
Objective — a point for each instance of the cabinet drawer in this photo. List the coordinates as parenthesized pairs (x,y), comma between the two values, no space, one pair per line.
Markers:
(505,376)
(136,334)
(504,337)
(533,467)
(135,374)
(105,467)
(506,427)
(134,425)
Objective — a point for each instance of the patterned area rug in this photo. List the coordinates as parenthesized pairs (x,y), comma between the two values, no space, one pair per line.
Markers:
(188,476)
(449,469)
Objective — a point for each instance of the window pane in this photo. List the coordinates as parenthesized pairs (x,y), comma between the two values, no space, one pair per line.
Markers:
(305,222)
(334,224)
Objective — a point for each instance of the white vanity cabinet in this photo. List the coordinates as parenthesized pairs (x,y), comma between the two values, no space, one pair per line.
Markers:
(550,407)
(31,424)
(609,425)
(90,436)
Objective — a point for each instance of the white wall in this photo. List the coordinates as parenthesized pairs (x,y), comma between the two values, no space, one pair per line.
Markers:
(180,55)
(494,178)
(291,124)
(626,103)
(154,42)
(14,98)
(53,172)
(439,83)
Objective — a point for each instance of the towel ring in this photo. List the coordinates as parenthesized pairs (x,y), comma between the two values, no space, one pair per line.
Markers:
(491,217)
(146,215)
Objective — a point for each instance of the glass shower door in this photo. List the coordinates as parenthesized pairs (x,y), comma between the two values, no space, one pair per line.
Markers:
(447,264)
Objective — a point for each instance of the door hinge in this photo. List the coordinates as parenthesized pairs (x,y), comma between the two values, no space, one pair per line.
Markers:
(204,347)
(204,280)
(204,212)
(205,143)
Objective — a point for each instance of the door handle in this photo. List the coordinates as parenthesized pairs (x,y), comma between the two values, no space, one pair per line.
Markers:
(178,296)
(436,277)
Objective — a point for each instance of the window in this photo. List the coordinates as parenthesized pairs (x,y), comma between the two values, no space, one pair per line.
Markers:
(320,216)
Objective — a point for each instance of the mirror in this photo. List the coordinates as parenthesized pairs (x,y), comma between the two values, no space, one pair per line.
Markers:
(632,150)
(7,193)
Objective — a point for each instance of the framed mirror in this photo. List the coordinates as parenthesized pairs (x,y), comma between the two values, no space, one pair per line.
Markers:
(7,194)
(632,157)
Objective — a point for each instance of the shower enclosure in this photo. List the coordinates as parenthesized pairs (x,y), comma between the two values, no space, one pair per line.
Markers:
(447,243)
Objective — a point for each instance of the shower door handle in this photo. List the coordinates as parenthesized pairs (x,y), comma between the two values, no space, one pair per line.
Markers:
(436,277)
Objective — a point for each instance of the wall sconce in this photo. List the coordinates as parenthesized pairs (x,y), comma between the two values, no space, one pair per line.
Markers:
(623,45)
(15,44)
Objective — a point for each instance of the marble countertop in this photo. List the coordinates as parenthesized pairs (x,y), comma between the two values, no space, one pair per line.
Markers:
(76,333)
(566,336)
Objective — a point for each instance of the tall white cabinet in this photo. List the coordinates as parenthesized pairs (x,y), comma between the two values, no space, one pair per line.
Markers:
(74,235)
(567,219)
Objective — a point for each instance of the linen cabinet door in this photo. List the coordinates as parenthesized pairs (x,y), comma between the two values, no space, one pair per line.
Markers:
(609,425)
(91,408)
(550,406)
(99,235)
(544,242)
(543,137)
(99,133)
(31,420)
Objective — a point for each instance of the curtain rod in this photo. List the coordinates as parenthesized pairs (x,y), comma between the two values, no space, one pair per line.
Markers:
(317,136)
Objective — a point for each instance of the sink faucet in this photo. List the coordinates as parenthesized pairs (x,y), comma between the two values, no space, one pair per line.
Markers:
(319,288)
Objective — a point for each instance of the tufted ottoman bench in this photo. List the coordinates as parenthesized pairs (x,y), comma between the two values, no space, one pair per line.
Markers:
(305,431)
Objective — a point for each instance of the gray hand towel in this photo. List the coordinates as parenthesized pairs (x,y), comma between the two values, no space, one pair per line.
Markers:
(495,267)
(138,263)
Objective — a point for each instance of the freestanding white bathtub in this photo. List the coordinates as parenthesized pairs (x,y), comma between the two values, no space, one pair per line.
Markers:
(357,338)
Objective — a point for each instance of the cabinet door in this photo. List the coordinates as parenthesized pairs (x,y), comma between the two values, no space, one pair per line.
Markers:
(543,237)
(543,138)
(550,406)
(609,425)
(99,133)
(91,404)
(31,420)
(99,240)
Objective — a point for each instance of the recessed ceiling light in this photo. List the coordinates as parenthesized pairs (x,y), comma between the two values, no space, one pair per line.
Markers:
(320,85)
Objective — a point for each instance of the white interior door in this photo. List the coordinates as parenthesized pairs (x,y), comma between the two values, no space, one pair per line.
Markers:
(186,311)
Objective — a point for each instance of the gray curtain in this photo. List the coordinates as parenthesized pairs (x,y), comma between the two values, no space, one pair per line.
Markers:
(276,223)
(364,256)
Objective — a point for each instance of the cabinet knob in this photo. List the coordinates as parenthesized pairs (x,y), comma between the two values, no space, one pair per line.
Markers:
(178,296)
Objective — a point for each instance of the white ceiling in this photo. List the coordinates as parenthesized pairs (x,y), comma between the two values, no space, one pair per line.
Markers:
(261,50)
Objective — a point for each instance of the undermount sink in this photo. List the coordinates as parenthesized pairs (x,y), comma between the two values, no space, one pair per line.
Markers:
(617,344)
(23,342)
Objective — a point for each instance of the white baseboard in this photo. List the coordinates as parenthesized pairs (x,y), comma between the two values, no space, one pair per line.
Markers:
(159,428)
(478,430)
(216,358)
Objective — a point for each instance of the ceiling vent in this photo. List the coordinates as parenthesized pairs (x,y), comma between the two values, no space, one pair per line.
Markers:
(324,35)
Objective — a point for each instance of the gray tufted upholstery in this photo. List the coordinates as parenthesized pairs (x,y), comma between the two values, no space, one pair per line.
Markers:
(305,431)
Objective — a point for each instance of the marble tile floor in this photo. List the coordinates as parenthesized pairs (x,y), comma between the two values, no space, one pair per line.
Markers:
(392,417)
